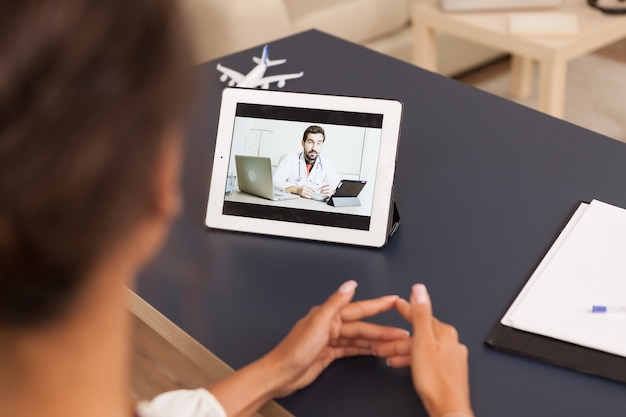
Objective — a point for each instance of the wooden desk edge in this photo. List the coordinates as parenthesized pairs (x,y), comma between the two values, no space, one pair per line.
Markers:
(191,348)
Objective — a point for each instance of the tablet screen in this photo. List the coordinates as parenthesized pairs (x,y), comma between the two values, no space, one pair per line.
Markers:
(280,156)
(312,148)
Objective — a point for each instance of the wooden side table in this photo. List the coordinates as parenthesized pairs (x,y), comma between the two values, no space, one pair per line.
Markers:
(490,28)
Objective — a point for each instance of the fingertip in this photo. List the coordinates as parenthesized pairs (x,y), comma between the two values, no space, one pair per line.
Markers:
(420,294)
(396,333)
(398,362)
(389,299)
(402,302)
(421,309)
(404,308)
(337,300)
(348,286)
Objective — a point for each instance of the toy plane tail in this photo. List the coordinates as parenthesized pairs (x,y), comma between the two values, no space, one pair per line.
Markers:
(265,58)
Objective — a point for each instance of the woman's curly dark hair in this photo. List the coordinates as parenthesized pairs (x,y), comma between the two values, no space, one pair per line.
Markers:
(87,90)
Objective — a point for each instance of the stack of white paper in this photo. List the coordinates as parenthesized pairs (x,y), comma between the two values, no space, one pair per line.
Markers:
(585,267)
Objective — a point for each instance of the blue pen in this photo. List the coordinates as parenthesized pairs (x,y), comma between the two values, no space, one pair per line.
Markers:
(608,309)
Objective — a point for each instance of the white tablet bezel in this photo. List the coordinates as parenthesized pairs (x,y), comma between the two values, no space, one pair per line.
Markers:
(381,212)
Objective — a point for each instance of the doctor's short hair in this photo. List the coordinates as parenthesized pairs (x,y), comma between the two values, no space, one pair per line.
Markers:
(314,129)
(89,90)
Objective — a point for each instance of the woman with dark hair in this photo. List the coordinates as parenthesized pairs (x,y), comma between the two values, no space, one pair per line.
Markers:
(92,98)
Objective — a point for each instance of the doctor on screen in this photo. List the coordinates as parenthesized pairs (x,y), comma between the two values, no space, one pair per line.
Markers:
(307,173)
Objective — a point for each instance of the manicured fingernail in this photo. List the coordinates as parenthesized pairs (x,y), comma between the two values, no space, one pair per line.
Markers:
(387,362)
(348,286)
(420,293)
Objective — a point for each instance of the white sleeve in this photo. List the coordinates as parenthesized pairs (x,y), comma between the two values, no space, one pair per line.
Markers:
(182,403)
(283,172)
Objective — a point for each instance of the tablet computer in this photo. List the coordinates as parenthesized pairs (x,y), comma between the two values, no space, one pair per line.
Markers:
(349,188)
(304,145)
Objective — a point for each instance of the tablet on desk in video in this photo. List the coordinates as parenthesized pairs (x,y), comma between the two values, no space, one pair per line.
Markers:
(349,188)
(314,143)
(347,193)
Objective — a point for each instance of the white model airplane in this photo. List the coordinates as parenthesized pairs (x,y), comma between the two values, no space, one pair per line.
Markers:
(256,77)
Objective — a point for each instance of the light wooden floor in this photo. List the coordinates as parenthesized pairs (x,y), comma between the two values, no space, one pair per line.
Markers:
(165,358)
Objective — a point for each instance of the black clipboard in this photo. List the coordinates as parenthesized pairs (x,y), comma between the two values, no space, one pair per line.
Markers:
(557,352)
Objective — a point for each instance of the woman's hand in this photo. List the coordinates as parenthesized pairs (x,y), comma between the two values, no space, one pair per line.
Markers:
(438,361)
(330,331)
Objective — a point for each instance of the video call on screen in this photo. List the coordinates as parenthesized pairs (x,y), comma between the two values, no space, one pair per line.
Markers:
(360,161)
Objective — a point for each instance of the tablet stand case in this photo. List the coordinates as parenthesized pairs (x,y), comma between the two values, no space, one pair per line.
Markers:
(344,201)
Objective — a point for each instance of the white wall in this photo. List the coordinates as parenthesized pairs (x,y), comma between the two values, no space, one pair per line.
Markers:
(353,150)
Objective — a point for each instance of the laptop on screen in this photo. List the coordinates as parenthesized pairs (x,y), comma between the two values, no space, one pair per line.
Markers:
(254,174)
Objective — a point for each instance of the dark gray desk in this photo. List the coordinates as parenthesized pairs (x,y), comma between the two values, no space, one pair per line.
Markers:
(482,186)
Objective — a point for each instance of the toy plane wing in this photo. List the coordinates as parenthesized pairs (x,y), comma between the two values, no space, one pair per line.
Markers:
(269,63)
(236,77)
(278,79)
(255,77)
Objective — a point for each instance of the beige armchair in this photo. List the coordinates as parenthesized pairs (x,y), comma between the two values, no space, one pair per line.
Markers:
(221,27)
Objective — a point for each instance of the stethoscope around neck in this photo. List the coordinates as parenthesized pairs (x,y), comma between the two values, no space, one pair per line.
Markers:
(315,165)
